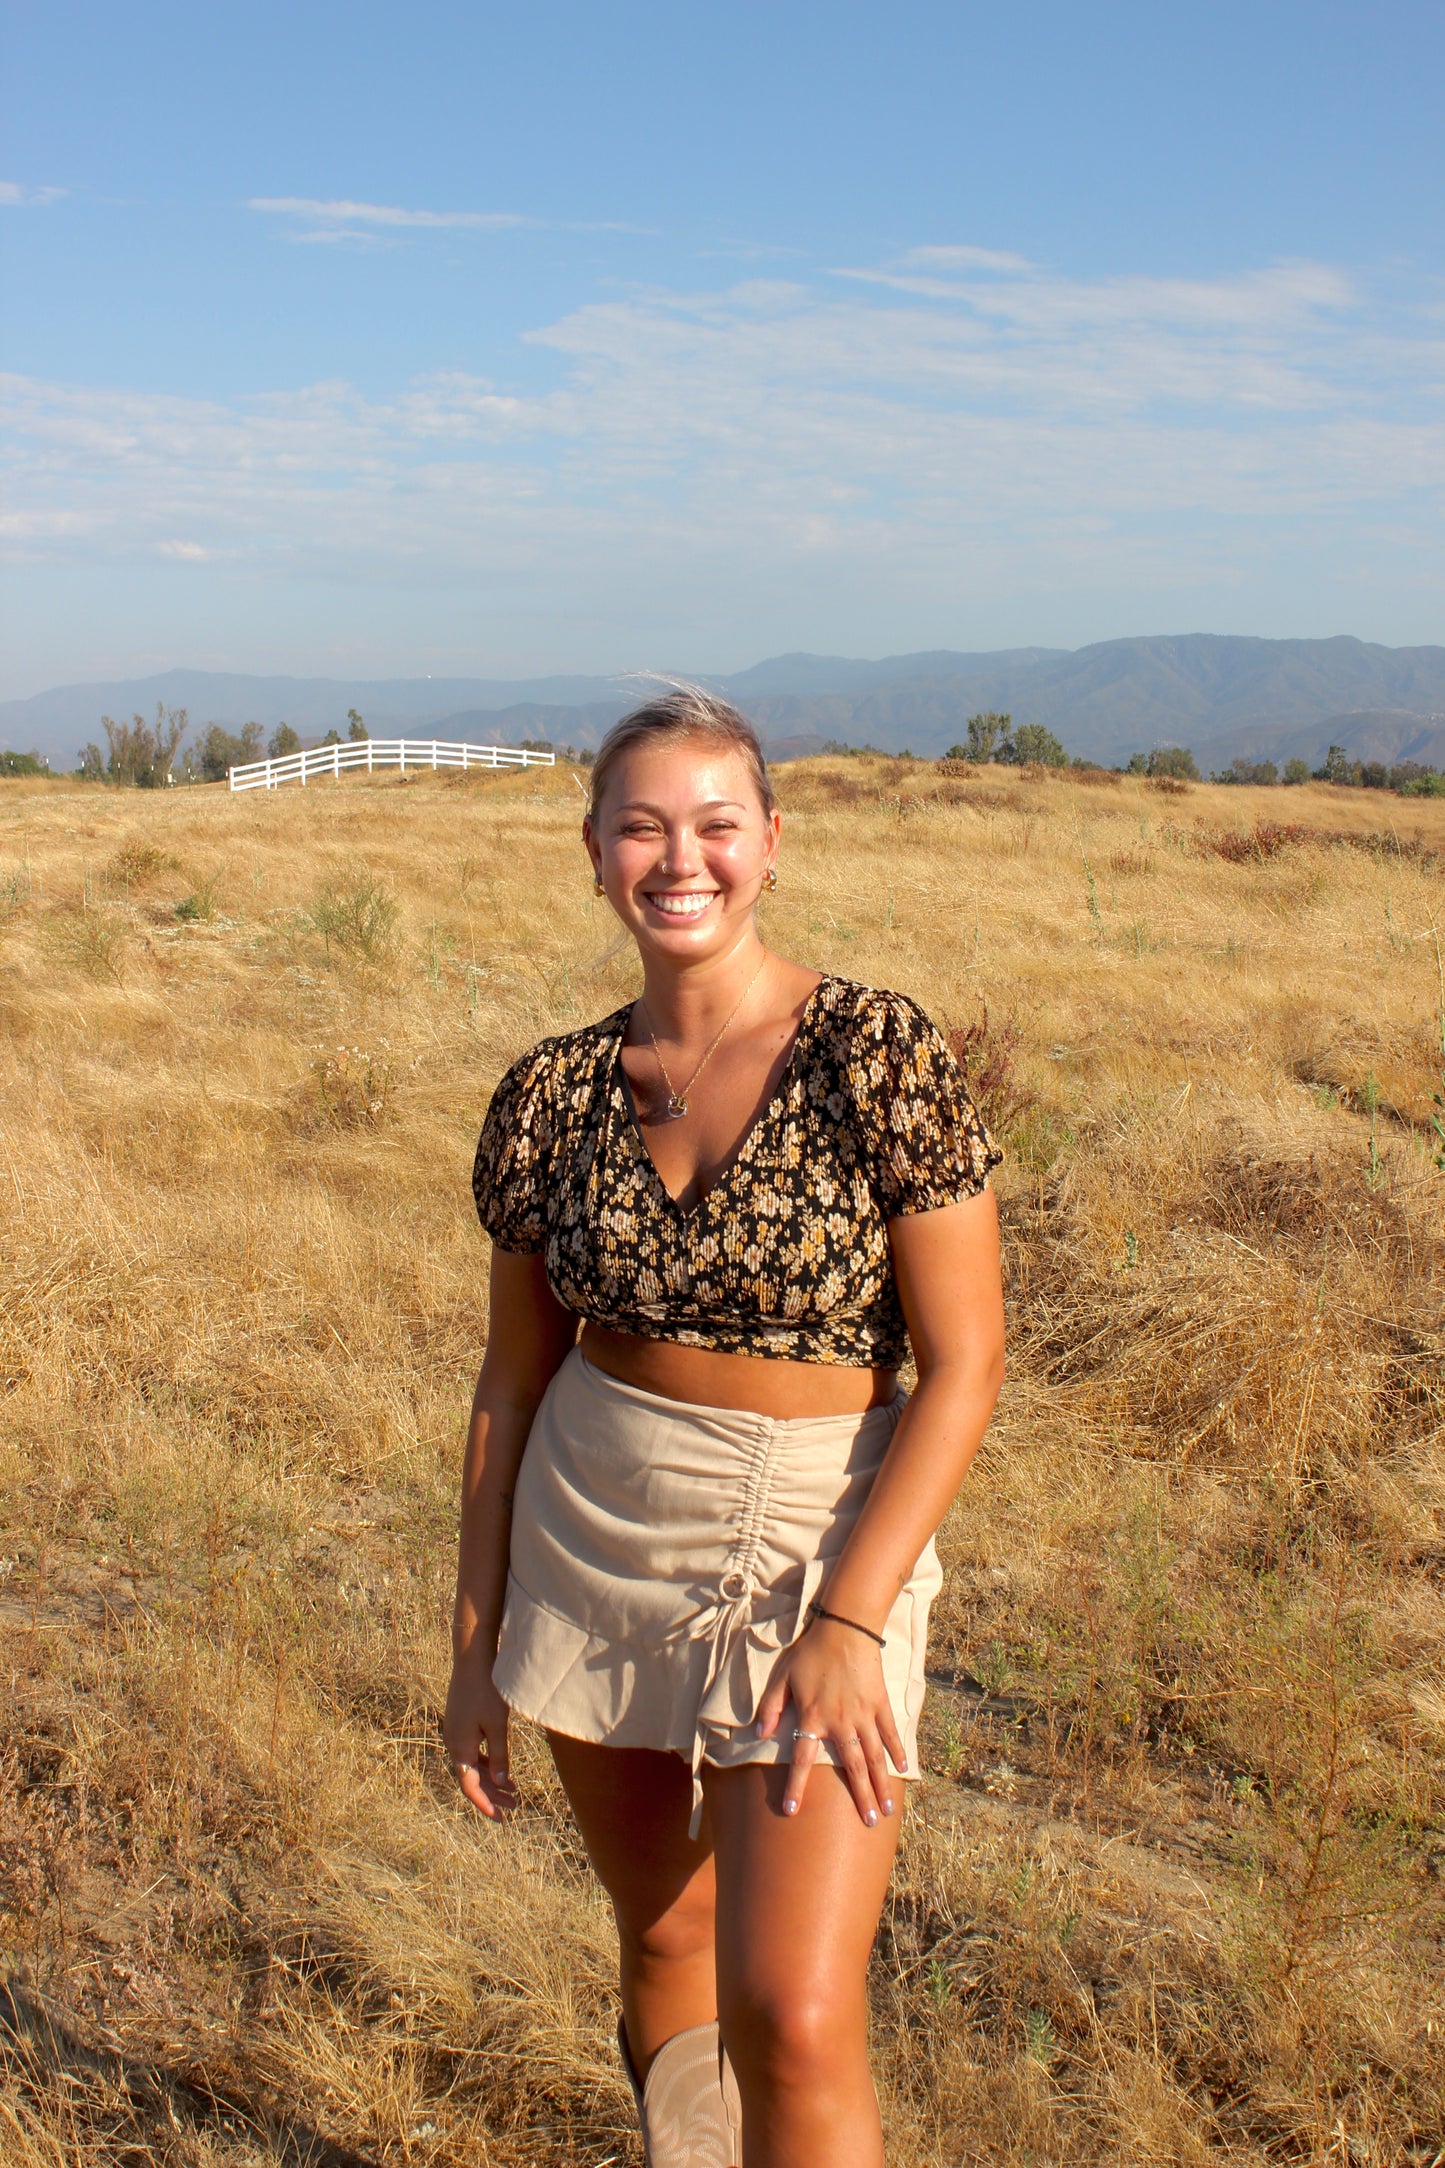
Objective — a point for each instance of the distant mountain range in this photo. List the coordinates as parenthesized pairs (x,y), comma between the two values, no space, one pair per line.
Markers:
(1223,696)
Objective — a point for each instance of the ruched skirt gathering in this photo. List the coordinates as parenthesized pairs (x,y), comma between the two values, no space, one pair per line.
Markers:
(664,1553)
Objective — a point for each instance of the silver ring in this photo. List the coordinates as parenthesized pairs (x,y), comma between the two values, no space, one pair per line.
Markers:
(464,1769)
(815,1736)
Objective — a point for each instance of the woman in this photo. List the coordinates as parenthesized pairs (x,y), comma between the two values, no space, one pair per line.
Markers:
(708,1573)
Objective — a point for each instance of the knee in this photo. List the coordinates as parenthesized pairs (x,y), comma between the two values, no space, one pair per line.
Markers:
(793,2035)
(677,1936)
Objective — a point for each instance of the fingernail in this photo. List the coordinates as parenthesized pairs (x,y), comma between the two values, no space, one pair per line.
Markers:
(888,1806)
(871,1817)
(902,1762)
(790,1806)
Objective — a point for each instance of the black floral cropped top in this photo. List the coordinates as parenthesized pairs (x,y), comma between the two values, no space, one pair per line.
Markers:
(787,1255)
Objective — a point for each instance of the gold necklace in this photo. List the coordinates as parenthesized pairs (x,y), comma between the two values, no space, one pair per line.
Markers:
(677,1100)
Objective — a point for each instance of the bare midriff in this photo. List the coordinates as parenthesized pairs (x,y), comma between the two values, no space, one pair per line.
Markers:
(755,1383)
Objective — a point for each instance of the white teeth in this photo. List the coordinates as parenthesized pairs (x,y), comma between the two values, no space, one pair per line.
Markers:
(680,906)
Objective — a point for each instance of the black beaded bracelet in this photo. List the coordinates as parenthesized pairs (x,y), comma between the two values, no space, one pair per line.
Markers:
(836,1618)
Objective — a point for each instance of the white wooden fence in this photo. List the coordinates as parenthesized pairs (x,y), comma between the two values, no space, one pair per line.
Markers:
(371,753)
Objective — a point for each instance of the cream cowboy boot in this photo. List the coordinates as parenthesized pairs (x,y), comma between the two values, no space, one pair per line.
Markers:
(690,2108)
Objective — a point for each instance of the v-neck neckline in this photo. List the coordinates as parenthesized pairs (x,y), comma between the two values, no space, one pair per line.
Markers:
(785,1076)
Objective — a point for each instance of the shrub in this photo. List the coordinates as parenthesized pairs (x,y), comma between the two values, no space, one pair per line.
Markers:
(22,764)
(354,1085)
(282,741)
(1266,840)
(1247,771)
(135,863)
(1411,778)
(988,1056)
(93,941)
(1296,771)
(200,906)
(1403,775)
(1032,742)
(15,890)
(1175,760)
(355,913)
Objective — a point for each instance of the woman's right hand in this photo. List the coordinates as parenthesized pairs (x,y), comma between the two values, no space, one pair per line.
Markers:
(474,1733)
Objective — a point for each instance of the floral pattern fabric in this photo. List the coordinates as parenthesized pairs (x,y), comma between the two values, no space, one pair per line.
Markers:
(787,1255)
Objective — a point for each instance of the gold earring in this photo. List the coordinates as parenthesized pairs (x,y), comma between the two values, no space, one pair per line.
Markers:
(597,888)
(770,879)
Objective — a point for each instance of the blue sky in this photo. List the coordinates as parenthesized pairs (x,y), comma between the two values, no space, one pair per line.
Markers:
(469,339)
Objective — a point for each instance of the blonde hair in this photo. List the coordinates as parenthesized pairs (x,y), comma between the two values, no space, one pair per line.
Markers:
(683,711)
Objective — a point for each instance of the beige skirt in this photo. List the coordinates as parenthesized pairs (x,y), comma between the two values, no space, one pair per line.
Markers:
(663,1554)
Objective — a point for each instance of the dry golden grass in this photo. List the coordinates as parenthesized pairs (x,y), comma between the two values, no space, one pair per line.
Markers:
(1172,1892)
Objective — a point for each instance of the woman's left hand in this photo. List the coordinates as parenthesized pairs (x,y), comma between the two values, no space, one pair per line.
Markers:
(833,1676)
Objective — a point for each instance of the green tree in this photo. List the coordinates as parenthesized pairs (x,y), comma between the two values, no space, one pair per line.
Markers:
(220,750)
(986,735)
(1175,760)
(283,740)
(1031,741)
(1338,767)
(92,764)
(332,737)
(1296,771)
(143,754)
(356,729)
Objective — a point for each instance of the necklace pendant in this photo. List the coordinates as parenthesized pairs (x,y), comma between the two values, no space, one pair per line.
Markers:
(676,1108)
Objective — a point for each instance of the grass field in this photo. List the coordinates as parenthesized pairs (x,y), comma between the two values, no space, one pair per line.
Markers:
(1174,1890)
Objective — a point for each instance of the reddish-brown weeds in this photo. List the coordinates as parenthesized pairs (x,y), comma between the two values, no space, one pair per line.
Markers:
(988,1056)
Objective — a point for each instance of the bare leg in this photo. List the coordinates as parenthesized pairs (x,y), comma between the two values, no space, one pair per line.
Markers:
(633,1807)
(798,1905)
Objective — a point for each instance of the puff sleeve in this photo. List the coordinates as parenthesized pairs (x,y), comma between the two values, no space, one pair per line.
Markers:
(925,1140)
(514,1152)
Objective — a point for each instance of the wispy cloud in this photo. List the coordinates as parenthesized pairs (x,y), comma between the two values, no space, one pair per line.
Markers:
(740,452)
(956,258)
(17,194)
(339,215)
(337,237)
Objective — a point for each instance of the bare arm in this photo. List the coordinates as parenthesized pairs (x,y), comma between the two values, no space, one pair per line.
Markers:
(529,1335)
(950,1285)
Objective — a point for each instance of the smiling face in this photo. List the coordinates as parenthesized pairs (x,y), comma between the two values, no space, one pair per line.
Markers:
(682,845)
